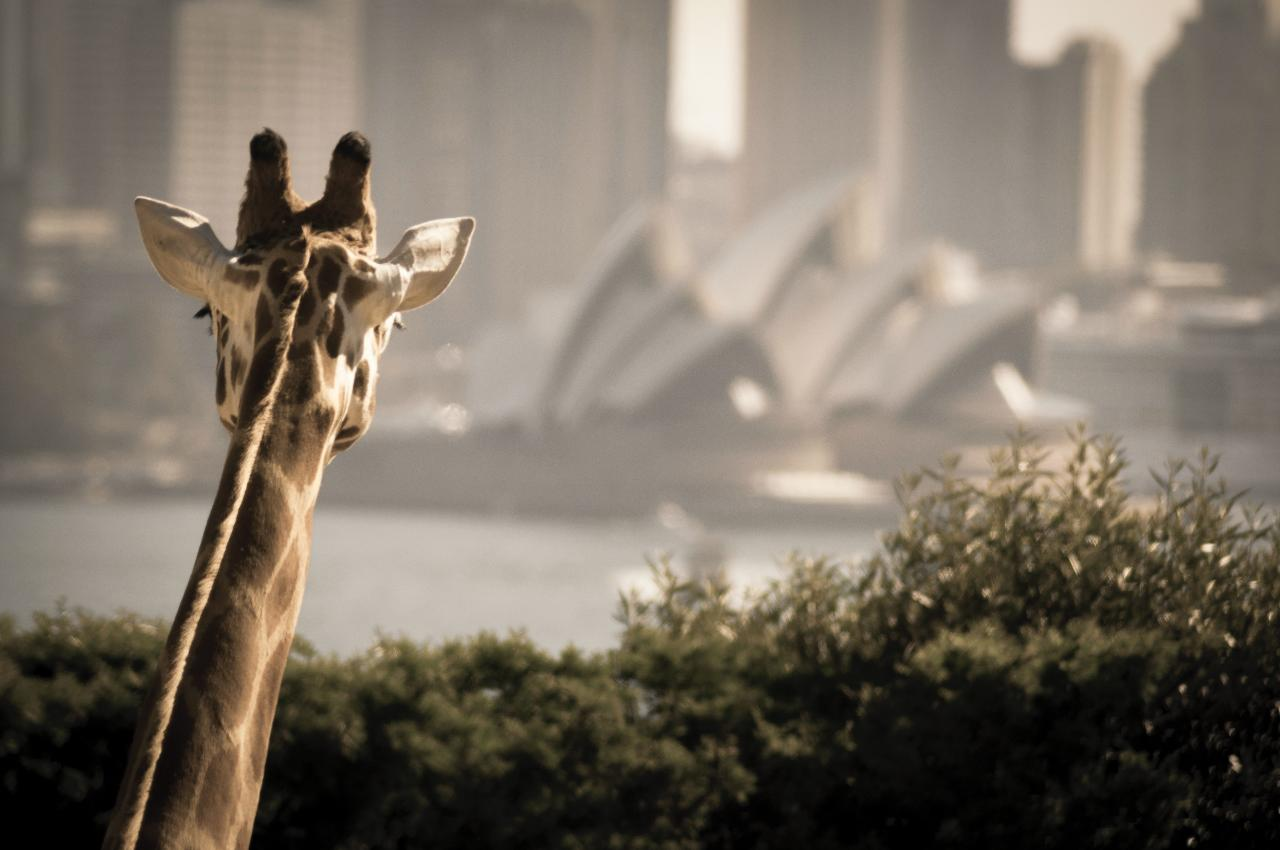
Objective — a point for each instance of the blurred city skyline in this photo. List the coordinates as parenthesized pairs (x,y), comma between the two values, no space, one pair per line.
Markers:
(946,218)
(942,220)
(708,49)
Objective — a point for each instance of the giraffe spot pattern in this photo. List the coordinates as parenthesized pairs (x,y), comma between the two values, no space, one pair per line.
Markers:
(333,342)
(327,279)
(255,382)
(334,277)
(307,308)
(260,538)
(220,793)
(356,289)
(360,382)
(263,320)
(237,367)
(278,277)
(279,599)
(272,675)
(220,388)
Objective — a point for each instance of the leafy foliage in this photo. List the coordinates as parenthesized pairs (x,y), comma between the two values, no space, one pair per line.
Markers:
(1033,659)
(70,686)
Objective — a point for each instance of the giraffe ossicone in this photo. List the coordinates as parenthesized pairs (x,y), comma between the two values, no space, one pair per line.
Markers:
(301,312)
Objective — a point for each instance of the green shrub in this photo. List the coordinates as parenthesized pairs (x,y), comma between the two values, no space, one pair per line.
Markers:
(70,686)
(1030,660)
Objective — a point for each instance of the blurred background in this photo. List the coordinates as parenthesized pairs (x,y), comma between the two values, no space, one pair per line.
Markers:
(739,263)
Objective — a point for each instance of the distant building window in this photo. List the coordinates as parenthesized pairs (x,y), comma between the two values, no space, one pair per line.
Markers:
(1200,399)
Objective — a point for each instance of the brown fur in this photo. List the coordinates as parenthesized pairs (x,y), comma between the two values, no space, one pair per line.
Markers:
(345,211)
(272,209)
(190,781)
(356,288)
(269,204)
(243,277)
(327,279)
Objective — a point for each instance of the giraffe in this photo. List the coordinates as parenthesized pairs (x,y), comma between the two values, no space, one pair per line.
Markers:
(301,313)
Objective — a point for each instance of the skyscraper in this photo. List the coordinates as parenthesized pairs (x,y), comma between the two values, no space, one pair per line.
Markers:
(15,97)
(99,112)
(544,120)
(1079,173)
(821,80)
(961,126)
(960,141)
(85,114)
(919,96)
(1211,188)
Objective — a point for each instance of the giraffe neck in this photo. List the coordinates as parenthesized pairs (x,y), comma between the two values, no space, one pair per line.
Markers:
(195,770)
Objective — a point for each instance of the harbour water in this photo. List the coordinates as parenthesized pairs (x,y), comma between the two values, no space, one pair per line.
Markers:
(428,576)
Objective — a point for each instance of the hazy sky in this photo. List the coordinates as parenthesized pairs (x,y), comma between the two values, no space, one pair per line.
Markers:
(706,106)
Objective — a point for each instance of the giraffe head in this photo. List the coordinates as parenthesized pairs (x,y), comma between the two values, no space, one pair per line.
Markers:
(301,294)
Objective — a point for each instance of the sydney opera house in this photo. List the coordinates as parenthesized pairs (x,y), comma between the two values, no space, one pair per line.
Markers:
(788,323)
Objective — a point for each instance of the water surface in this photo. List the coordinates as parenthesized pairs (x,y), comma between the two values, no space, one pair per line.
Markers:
(427,576)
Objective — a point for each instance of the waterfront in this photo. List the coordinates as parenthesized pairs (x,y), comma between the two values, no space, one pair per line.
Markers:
(425,575)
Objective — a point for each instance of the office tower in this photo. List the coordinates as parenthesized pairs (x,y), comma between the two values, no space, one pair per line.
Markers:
(1080,167)
(820,85)
(1211,187)
(100,107)
(961,126)
(15,148)
(544,120)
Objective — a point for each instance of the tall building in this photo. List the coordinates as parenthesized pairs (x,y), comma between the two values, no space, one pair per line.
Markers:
(101,107)
(961,126)
(545,120)
(89,84)
(920,97)
(1211,188)
(1080,168)
(820,89)
(959,141)
(1108,163)
(15,148)
(241,66)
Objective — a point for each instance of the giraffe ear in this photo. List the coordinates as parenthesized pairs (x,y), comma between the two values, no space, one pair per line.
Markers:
(429,255)
(182,246)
